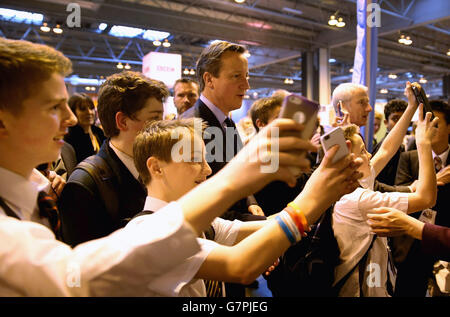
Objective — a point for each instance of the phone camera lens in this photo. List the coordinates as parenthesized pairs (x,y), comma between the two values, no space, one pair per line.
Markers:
(327,137)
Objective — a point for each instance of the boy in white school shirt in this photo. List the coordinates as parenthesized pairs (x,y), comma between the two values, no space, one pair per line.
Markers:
(170,158)
(34,117)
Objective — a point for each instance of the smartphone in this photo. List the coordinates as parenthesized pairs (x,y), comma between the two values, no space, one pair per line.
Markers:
(421,97)
(335,136)
(301,110)
(338,109)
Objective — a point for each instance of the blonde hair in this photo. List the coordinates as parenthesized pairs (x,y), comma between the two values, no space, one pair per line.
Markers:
(23,65)
(378,115)
(156,139)
(350,131)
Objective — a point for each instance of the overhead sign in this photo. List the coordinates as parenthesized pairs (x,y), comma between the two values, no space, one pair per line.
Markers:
(162,66)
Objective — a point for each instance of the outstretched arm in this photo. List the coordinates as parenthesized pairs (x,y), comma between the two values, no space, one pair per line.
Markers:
(253,255)
(395,137)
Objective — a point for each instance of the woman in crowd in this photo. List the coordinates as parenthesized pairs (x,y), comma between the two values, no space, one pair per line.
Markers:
(85,137)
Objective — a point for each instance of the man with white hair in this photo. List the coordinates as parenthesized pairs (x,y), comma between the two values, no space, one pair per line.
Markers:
(352,99)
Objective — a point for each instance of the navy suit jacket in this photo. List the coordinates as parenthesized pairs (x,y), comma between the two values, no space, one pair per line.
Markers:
(224,148)
(84,215)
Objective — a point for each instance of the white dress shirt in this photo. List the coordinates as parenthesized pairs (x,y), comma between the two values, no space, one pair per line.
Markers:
(181,281)
(354,236)
(34,263)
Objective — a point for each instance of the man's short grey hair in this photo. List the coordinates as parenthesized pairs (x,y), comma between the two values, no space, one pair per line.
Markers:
(345,91)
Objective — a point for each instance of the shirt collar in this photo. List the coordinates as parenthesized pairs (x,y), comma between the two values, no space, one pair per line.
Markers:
(220,116)
(443,156)
(21,193)
(126,160)
(154,204)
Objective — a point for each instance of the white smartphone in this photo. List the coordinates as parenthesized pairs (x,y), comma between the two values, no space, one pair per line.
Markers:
(335,136)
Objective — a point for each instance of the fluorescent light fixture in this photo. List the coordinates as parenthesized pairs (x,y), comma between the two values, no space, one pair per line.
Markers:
(125,31)
(332,60)
(102,26)
(75,80)
(153,35)
(292,11)
(21,16)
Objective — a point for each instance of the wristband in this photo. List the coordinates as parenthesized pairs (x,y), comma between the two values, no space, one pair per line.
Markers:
(296,219)
(300,214)
(286,217)
(285,229)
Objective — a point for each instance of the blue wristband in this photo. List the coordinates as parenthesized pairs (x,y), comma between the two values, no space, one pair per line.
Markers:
(286,230)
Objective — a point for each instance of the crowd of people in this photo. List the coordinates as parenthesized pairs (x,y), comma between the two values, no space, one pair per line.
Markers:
(194,205)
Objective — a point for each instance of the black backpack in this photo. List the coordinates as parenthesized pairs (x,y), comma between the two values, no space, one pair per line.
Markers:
(306,269)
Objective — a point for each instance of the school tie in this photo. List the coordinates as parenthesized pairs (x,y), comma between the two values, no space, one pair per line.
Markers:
(437,163)
(48,209)
(213,288)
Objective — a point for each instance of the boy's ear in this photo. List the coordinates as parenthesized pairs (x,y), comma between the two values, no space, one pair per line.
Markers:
(259,124)
(154,166)
(121,121)
(349,145)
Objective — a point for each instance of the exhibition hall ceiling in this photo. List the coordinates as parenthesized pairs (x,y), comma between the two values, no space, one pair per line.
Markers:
(276,34)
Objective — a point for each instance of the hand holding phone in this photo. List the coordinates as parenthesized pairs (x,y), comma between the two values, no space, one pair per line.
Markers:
(421,98)
(335,136)
(303,111)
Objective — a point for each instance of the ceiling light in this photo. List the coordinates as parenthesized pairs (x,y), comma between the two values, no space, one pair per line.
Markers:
(156,42)
(392,76)
(119,65)
(341,23)
(407,41)
(186,71)
(332,60)
(401,40)
(247,54)
(255,95)
(102,26)
(21,16)
(448,52)
(351,70)
(57,29)
(192,72)
(87,88)
(166,43)
(239,1)
(332,21)
(422,80)
(384,91)
(127,66)
(45,28)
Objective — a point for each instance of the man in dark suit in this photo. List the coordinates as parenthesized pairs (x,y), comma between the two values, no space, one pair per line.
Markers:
(126,101)
(414,265)
(222,69)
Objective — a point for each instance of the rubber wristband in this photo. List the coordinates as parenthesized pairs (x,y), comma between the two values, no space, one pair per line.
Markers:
(296,218)
(291,224)
(300,214)
(285,229)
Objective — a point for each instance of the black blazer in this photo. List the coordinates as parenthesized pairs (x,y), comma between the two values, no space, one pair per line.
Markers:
(81,142)
(200,110)
(84,215)
(408,172)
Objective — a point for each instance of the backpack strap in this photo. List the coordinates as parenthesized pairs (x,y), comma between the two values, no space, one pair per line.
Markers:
(359,265)
(8,211)
(103,176)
